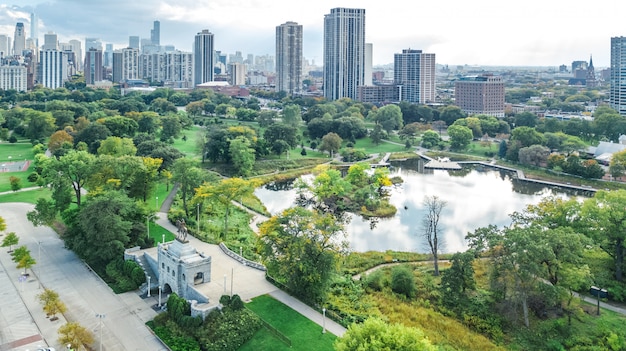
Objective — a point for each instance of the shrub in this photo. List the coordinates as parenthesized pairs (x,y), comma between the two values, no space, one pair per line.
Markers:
(33,177)
(12,139)
(375,280)
(403,281)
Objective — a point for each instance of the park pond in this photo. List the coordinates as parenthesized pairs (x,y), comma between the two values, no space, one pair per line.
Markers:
(476,196)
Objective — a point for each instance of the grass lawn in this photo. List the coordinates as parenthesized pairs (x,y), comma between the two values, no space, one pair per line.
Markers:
(30,196)
(303,333)
(5,183)
(371,148)
(156,232)
(16,152)
(188,147)
(160,194)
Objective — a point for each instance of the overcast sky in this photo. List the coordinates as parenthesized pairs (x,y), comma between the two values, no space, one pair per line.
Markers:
(479,32)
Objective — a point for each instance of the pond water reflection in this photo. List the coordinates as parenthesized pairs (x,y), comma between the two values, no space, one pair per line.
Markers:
(475,196)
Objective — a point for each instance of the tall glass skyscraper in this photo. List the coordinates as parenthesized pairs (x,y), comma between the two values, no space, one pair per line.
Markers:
(155,33)
(617,97)
(344,53)
(203,57)
(289,57)
(414,72)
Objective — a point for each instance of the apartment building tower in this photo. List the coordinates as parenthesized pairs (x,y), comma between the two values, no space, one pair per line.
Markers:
(617,90)
(289,58)
(53,68)
(480,95)
(414,74)
(203,50)
(93,66)
(344,52)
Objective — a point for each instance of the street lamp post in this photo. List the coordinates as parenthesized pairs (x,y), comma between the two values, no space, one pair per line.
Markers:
(163,238)
(159,295)
(148,286)
(324,320)
(598,293)
(148,225)
(198,220)
(224,284)
(101,316)
(39,262)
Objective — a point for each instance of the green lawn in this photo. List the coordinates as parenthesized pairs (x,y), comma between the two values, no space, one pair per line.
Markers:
(371,148)
(188,147)
(5,183)
(16,152)
(30,196)
(303,333)
(156,232)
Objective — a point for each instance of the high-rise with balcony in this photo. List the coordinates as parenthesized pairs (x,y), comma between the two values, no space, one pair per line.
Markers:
(203,57)
(344,53)
(289,58)
(126,65)
(93,66)
(414,74)
(19,39)
(617,92)
(53,68)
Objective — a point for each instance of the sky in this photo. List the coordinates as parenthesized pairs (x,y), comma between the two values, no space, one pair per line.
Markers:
(459,32)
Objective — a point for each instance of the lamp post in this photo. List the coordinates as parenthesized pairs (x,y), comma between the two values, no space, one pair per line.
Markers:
(148,225)
(39,262)
(101,316)
(148,286)
(197,219)
(163,238)
(324,320)
(159,295)
(156,203)
(224,284)
(598,293)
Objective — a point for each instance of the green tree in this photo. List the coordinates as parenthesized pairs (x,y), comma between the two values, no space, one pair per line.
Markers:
(534,155)
(430,139)
(16,183)
(122,127)
(3,224)
(403,281)
(457,280)
(189,176)
(331,142)
(377,134)
(71,170)
(225,192)
(389,117)
(242,155)
(299,248)
(9,240)
(76,335)
(39,124)
(527,136)
(116,146)
(449,114)
(278,131)
(618,164)
(292,115)
(170,127)
(44,213)
(375,334)
(460,137)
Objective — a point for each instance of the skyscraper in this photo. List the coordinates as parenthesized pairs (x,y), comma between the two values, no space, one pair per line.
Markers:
(34,27)
(344,52)
(5,45)
(93,43)
(76,48)
(108,55)
(53,68)
(289,57)
(617,97)
(133,42)
(237,73)
(93,66)
(19,39)
(155,33)
(203,57)
(414,72)
(50,41)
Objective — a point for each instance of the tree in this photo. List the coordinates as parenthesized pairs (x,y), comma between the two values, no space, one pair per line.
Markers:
(460,137)
(389,117)
(431,230)
(170,127)
(605,217)
(189,177)
(242,155)
(52,305)
(527,136)
(377,134)
(278,131)
(403,281)
(44,213)
(3,224)
(449,114)
(618,164)
(458,279)
(92,135)
(9,240)
(533,155)
(16,183)
(225,192)
(116,146)
(331,142)
(40,124)
(72,169)
(292,115)
(299,248)
(430,139)
(122,127)
(375,334)
(57,139)
(76,335)
(266,118)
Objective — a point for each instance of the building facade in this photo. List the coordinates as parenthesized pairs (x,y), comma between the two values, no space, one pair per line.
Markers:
(237,73)
(480,95)
(289,58)
(203,50)
(344,53)
(93,66)
(126,65)
(617,90)
(155,33)
(19,39)
(13,77)
(414,72)
(53,68)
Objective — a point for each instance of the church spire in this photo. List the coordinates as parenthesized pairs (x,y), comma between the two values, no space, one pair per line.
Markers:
(590,61)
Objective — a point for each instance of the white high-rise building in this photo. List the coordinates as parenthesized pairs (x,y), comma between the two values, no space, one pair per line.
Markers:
(19,39)
(414,72)
(76,48)
(344,53)
(369,64)
(13,77)
(289,58)
(34,27)
(237,73)
(203,50)
(108,55)
(5,45)
(50,41)
(617,92)
(53,68)
(126,65)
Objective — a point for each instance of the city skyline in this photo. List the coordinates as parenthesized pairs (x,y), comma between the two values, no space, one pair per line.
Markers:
(483,32)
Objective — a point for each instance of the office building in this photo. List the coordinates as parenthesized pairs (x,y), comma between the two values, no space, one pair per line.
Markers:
(5,45)
(344,53)
(155,33)
(289,58)
(480,95)
(93,66)
(369,64)
(203,49)
(108,55)
(414,73)
(19,39)
(237,73)
(76,47)
(50,41)
(93,43)
(13,77)
(34,28)
(617,89)
(133,42)
(53,68)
